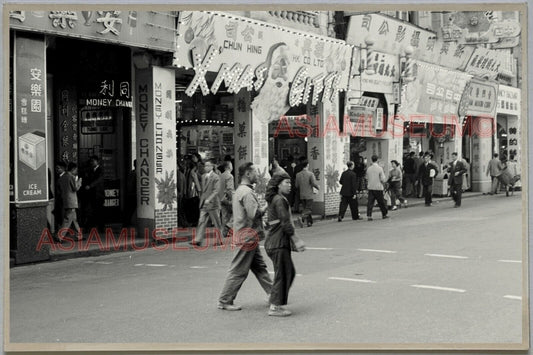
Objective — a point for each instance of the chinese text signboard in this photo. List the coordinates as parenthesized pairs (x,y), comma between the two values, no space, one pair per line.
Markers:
(509,100)
(106,92)
(436,92)
(31,165)
(147,29)
(487,63)
(482,98)
(393,36)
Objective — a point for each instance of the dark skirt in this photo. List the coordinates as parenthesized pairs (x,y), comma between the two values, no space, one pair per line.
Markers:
(284,274)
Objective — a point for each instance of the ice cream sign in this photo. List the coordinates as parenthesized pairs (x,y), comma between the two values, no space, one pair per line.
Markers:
(246,53)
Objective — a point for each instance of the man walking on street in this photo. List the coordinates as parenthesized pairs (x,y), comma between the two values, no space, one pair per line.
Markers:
(305,182)
(247,226)
(494,168)
(376,178)
(348,193)
(226,190)
(455,180)
(428,170)
(409,168)
(209,202)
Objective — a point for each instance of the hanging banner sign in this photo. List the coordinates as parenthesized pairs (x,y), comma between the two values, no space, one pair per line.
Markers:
(146,29)
(250,54)
(386,71)
(487,63)
(31,165)
(507,42)
(435,93)
(392,36)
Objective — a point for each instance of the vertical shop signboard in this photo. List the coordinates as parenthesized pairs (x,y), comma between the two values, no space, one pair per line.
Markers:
(31,163)
(164,138)
(145,145)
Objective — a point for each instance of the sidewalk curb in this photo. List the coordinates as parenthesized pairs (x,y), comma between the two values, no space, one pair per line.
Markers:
(94,250)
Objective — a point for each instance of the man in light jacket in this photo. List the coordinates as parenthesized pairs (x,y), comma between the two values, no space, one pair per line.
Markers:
(376,178)
(494,169)
(305,182)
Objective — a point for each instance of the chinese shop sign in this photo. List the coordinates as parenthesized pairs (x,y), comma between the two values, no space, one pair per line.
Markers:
(487,63)
(481,98)
(106,93)
(31,165)
(435,93)
(147,29)
(393,36)
(509,100)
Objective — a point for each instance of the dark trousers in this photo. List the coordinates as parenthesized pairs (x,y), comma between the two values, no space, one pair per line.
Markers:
(284,274)
(428,191)
(395,193)
(354,207)
(296,206)
(376,195)
(243,261)
(95,216)
(306,211)
(456,190)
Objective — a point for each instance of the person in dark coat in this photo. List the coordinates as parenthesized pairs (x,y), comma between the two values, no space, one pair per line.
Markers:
(455,180)
(348,193)
(278,242)
(94,190)
(61,169)
(427,171)
(299,167)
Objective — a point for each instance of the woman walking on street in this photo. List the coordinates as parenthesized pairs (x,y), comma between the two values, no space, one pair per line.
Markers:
(278,242)
(395,187)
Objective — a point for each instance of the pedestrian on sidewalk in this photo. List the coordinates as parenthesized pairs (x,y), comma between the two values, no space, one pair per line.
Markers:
(418,184)
(69,184)
(376,180)
(209,203)
(94,192)
(278,242)
(395,185)
(427,172)
(409,168)
(298,168)
(306,182)
(61,169)
(494,169)
(456,170)
(348,193)
(227,189)
(247,229)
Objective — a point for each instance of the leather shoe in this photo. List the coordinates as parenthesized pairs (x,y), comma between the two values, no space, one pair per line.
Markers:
(228,307)
(339,219)
(385,217)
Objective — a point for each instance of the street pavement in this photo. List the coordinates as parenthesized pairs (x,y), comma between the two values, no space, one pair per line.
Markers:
(427,275)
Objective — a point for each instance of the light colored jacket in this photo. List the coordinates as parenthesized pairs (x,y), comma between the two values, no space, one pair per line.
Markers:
(375,177)
(495,167)
(69,187)
(210,187)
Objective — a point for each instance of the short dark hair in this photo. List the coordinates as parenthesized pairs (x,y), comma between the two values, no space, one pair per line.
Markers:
(412,154)
(225,164)
(243,169)
(71,166)
(421,154)
(349,164)
(395,162)
(455,153)
(428,154)
(495,155)
(374,158)
(511,156)
(304,162)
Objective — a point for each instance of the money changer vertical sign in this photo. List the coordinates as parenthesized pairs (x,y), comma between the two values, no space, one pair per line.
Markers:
(30,163)
(156,148)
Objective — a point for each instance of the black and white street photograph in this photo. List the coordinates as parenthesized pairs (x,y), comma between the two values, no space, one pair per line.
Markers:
(265,177)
